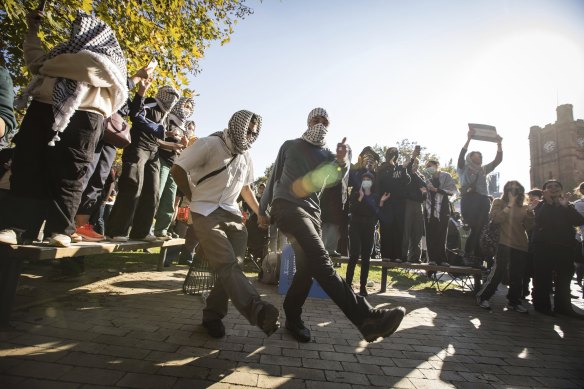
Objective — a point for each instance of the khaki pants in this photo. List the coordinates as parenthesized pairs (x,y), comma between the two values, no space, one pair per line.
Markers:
(223,238)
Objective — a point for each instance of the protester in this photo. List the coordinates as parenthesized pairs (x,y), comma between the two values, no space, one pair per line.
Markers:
(292,193)
(413,216)
(364,215)
(7,120)
(391,182)
(220,166)
(139,183)
(553,249)
(98,172)
(175,134)
(474,204)
(75,86)
(257,237)
(515,220)
(534,196)
(333,201)
(440,186)
(579,254)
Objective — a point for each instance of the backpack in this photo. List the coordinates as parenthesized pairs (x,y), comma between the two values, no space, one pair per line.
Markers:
(270,269)
(489,239)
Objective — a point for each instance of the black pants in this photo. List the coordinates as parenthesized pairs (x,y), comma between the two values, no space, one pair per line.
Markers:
(302,227)
(94,181)
(137,198)
(508,260)
(361,244)
(436,232)
(392,230)
(552,263)
(476,223)
(47,182)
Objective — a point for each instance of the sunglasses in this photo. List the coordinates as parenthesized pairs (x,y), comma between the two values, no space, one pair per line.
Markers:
(251,132)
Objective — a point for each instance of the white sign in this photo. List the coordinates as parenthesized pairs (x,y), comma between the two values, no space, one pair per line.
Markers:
(483,132)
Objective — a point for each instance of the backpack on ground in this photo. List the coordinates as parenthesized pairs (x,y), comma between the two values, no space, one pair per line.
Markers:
(270,269)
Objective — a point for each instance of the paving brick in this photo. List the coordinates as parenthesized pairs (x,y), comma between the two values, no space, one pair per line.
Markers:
(241,378)
(280,382)
(34,383)
(280,360)
(390,382)
(93,376)
(361,368)
(342,357)
(303,373)
(346,377)
(430,384)
(37,369)
(190,383)
(326,385)
(146,381)
(321,364)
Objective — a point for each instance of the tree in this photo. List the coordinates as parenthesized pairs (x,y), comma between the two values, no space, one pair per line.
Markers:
(267,173)
(175,32)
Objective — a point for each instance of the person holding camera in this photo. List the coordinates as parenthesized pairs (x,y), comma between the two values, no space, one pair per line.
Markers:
(475,203)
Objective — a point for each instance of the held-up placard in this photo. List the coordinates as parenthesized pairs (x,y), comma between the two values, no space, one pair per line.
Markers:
(483,132)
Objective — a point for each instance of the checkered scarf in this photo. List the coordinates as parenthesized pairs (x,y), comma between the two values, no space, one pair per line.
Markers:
(166,98)
(316,134)
(237,130)
(93,37)
(180,113)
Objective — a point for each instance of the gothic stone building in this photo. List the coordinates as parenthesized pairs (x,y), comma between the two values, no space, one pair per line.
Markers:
(557,150)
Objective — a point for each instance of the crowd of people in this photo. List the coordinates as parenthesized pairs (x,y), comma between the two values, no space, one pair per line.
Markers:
(59,182)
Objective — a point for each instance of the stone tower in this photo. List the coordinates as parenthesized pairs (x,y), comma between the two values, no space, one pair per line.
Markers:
(557,150)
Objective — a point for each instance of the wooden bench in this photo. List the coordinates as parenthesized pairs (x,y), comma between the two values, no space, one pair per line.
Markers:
(437,272)
(12,257)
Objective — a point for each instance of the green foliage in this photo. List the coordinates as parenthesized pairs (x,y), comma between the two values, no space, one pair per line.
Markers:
(175,32)
(266,176)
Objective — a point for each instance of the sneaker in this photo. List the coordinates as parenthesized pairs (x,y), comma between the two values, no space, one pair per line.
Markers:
(483,303)
(445,264)
(160,236)
(8,237)
(268,319)
(432,263)
(397,260)
(87,233)
(381,323)
(148,238)
(60,240)
(215,328)
(76,238)
(298,330)
(119,239)
(517,308)
(385,260)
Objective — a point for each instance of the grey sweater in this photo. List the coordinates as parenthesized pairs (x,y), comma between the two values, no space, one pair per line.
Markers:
(6,100)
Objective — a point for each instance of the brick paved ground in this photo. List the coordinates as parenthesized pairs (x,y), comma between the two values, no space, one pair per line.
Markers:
(139,331)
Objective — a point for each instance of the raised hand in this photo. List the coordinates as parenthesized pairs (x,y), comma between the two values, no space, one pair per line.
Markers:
(342,150)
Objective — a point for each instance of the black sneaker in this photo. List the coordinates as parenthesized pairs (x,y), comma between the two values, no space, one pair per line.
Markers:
(215,328)
(363,292)
(298,330)
(381,323)
(268,319)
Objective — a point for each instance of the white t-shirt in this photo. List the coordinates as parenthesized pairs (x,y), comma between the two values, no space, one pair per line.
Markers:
(222,190)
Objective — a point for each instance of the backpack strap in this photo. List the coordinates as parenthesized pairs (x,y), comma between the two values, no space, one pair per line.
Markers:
(217,171)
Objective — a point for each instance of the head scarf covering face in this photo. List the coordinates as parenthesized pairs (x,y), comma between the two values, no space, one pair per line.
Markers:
(92,37)
(237,130)
(180,113)
(166,98)
(316,134)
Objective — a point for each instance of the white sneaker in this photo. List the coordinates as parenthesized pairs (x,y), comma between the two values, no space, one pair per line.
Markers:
(163,237)
(119,239)
(483,303)
(149,238)
(397,260)
(8,237)
(517,308)
(60,240)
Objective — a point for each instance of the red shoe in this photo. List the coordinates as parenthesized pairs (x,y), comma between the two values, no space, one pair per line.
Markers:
(86,231)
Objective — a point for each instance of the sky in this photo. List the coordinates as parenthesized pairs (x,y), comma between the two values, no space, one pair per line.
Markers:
(387,70)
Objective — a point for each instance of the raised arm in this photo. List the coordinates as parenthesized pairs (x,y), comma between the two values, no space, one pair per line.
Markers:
(498,158)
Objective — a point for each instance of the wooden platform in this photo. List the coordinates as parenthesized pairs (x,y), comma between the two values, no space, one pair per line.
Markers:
(11,258)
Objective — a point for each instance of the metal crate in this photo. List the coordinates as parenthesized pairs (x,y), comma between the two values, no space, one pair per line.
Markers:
(200,278)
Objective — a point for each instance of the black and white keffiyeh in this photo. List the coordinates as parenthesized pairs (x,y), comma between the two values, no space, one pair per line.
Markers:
(182,111)
(166,98)
(315,134)
(237,130)
(89,36)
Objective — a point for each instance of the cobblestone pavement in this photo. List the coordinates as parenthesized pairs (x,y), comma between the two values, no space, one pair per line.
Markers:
(139,331)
